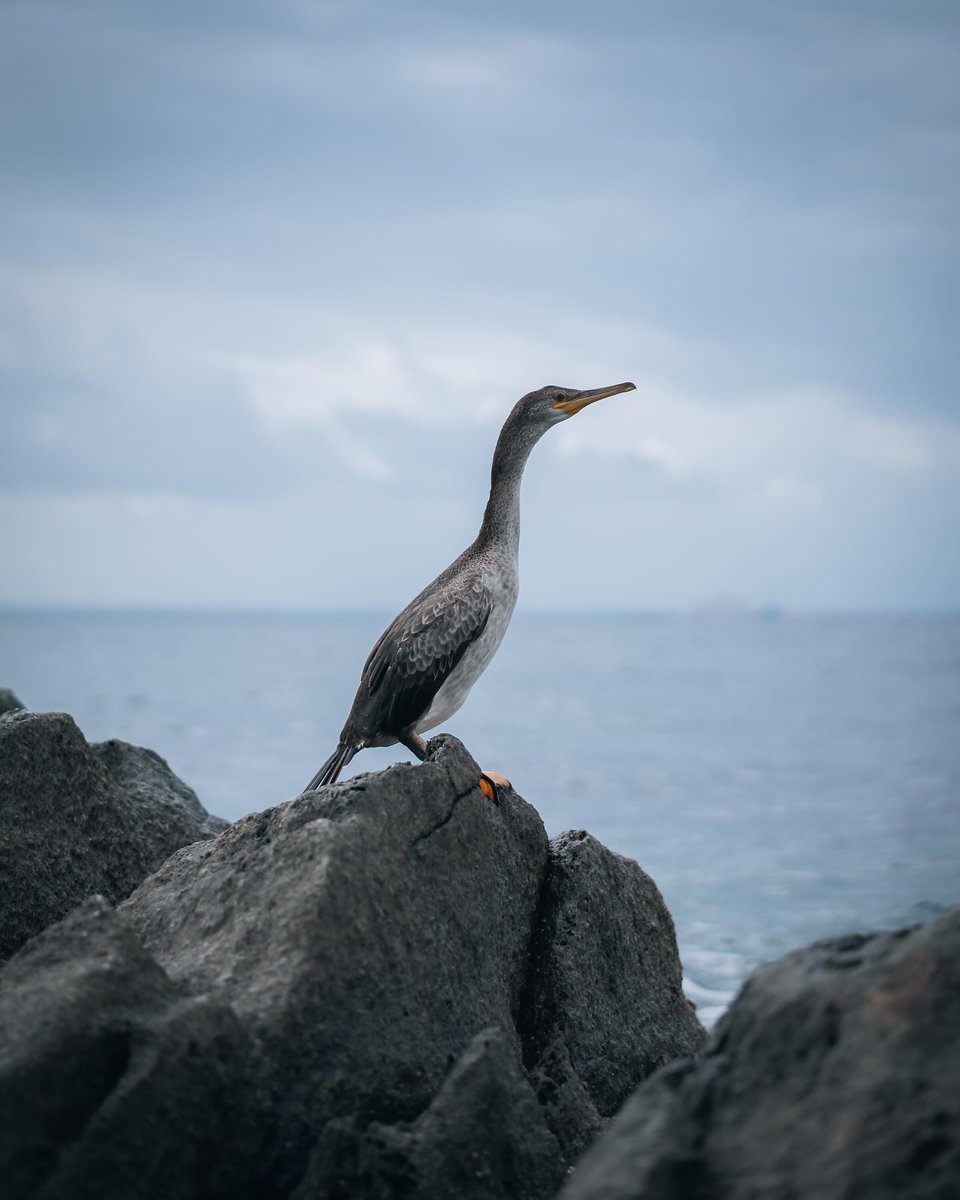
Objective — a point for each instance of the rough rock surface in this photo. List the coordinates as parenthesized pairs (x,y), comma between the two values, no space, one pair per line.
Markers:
(605,1004)
(68,831)
(483,1137)
(112,1085)
(10,701)
(391,987)
(835,1075)
(147,779)
(366,933)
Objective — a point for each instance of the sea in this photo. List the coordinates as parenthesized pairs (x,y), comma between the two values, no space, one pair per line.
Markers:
(782,777)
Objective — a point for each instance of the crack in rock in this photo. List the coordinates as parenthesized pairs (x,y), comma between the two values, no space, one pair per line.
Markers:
(422,837)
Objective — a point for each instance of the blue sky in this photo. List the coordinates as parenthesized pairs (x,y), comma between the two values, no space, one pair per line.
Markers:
(272,274)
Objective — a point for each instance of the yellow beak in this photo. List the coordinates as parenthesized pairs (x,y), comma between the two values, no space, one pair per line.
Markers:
(582,399)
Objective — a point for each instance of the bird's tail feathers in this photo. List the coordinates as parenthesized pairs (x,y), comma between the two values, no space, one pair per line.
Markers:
(331,769)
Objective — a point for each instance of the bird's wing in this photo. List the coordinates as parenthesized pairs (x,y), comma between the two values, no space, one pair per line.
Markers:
(410,663)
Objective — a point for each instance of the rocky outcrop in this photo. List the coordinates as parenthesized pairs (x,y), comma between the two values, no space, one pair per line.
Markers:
(366,933)
(112,1084)
(77,820)
(605,1004)
(835,1075)
(395,989)
(389,987)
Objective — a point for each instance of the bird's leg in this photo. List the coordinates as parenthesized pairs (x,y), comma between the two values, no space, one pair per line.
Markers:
(490,784)
(414,743)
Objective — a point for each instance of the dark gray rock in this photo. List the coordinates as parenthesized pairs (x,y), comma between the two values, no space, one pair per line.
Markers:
(365,932)
(835,1075)
(147,779)
(605,1006)
(10,701)
(483,1137)
(569,1111)
(67,830)
(112,1084)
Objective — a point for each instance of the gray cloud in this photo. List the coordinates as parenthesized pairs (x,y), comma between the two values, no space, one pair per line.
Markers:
(289,253)
(125,421)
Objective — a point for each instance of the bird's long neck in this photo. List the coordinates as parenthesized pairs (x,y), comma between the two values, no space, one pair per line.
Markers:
(501,518)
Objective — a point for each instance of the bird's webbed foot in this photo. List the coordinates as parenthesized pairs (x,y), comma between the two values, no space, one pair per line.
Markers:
(490,784)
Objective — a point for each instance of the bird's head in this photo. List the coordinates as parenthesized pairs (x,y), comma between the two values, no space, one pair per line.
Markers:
(551,404)
(534,414)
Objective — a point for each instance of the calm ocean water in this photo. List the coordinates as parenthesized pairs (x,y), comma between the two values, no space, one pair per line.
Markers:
(782,779)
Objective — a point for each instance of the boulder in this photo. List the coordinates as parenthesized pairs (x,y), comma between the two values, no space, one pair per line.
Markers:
(147,779)
(114,1085)
(388,987)
(68,830)
(10,701)
(834,1074)
(483,1137)
(366,933)
(605,1005)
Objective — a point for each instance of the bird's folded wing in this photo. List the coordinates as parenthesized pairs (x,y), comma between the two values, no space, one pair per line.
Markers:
(410,663)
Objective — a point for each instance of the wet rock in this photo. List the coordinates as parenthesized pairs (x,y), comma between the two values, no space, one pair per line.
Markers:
(605,1007)
(67,830)
(111,1083)
(483,1137)
(833,1075)
(10,702)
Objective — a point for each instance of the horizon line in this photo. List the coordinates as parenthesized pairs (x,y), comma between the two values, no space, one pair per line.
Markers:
(719,609)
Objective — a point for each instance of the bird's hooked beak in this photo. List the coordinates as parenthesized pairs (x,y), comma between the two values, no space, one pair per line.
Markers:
(579,400)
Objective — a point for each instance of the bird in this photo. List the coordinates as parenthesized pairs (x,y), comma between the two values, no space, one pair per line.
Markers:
(421,669)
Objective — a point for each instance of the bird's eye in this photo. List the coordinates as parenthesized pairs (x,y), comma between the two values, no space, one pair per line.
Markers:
(557,397)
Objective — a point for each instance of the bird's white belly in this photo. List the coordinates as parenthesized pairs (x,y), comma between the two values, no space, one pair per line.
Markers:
(456,687)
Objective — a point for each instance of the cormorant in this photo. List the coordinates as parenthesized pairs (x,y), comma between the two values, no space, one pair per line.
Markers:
(422,669)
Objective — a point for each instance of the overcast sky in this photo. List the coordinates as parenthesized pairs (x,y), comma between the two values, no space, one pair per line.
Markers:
(272,272)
